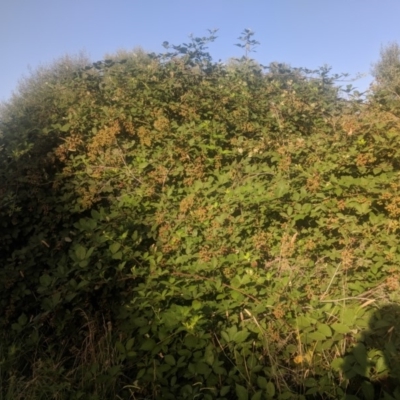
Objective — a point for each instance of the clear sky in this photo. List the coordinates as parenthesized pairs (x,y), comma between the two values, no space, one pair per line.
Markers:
(345,34)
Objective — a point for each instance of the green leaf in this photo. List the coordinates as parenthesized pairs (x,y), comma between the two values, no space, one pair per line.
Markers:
(325,345)
(281,189)
(16,327)
(129,344)
(65,128)
(368,390)
(270,389)
(45,280)
(304,322)
(337,364)
(114,247)
(209,355)
(257,395)
(202,368)
(262,382)
(22,320)
(230,334)
(376,171)
(381,365)
(241,336)
(120,347)
(224,390)
(362,208)
(316,336)
(324,329)
(241,392)
(80,252)
(115,370)
(286,395)
(340,328)
(117,256)
(349,314)
(55,299)
(148,345)
(90,252)
(360,354)
(170,360)
(310,382)
(196,305)
(191,341)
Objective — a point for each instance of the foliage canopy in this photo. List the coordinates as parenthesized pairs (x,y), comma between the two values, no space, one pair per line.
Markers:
(175,228)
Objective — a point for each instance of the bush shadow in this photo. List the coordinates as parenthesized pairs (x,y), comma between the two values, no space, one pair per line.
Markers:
(372,366)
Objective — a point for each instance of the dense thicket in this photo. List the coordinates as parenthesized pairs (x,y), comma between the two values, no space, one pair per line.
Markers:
(172,227)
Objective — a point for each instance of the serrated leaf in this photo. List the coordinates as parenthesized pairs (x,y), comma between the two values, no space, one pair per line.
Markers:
(129,344)
(316,336)
(45,280)
(191,341)
(340,328)
(55,299)
(148,345)
(196,304)
(120,347)
(303,322)
(170,360)
(65,128)
(117,256)
(241,392)
(324,345)
(141,373)
(209,355)
(89,252)
(241,336)
(224,390)
(257,395)
(95,214)
(262,382)
(286,395)
(270,389)
(281,189)
(349,315)
(310,382)
(324,329)
(368,390)
(22,320)
(337,364)
(381,365)
(16,327)
(362,208)
(114,247)
(360,354)
(80,252)
(202,368)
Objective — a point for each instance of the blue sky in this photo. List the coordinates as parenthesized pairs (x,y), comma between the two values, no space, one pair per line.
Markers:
(345,34)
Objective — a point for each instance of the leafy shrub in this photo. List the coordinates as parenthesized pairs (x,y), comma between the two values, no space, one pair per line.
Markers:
(175,228)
